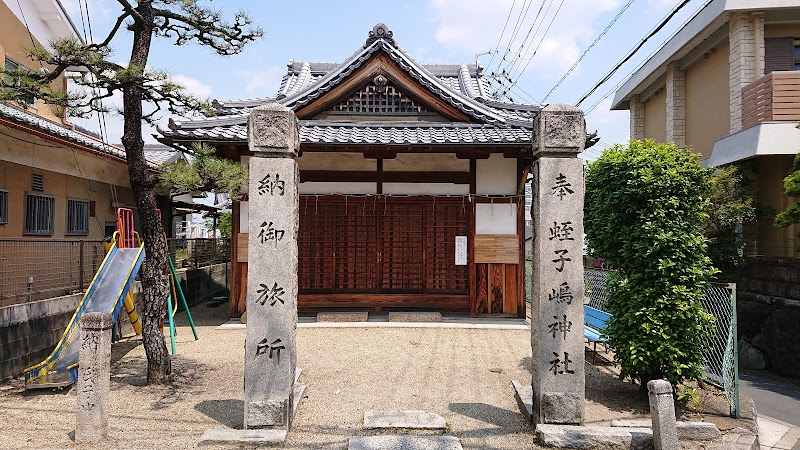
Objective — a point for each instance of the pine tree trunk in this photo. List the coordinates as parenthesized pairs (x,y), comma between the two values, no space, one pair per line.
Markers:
(154,284)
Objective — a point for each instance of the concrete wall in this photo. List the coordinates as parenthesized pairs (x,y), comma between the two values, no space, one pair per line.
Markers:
(29,332)
(707,101)
(14,41)
(655,117)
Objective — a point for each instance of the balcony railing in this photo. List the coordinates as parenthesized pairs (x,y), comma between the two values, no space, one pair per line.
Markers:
(773,97)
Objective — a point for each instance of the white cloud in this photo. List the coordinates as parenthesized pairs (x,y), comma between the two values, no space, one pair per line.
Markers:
(193,86)
(261,83)
(475,25)
(98,9)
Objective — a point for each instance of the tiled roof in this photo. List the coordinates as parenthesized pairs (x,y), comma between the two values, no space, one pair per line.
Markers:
(317,132)
(161,154)
(55,129)
(460,85)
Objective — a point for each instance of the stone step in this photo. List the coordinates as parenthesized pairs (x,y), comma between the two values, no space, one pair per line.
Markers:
(350,316)
(228,437)
(691,431)
(407,419)
(400,442)
(574,436)
(523,393)
(415,317)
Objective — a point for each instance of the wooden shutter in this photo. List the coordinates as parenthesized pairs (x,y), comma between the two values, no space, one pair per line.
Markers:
(778,54)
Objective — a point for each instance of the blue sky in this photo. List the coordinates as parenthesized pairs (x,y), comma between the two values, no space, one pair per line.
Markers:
(431,31)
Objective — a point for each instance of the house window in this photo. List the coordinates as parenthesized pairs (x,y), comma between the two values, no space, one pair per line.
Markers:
(10,80)
(797,54)
(3,206)
(39,212)
(77,216)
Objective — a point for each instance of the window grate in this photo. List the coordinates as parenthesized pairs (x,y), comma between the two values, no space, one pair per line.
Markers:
(3,206)
(78,216)
(39,212)
(37,182)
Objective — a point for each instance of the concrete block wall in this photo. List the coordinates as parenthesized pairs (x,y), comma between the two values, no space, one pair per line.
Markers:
(676,104)
(30,331)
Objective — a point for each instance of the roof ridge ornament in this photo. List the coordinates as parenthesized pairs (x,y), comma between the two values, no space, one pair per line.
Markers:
(380,31)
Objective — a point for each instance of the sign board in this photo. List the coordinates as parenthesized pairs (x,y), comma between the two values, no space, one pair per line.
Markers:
(461,250)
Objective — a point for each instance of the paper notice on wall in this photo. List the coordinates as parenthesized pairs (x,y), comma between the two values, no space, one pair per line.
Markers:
(461,250)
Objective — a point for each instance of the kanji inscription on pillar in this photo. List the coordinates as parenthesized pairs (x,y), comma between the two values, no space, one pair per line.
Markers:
(557,304)
(270,348)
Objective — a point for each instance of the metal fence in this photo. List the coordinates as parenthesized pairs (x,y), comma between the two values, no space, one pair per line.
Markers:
(35,269)
(721,355)
(201,252)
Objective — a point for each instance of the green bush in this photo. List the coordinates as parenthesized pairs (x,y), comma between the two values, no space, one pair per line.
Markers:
(645,205)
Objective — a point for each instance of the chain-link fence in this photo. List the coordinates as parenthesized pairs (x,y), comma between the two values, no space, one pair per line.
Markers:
(34,269)
(720,359)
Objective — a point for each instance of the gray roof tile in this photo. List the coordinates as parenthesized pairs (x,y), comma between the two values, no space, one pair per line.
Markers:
(57,130)
(318,132)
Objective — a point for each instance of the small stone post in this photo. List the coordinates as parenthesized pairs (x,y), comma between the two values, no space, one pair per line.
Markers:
(94,378)
(662,412)
(270,356)
(559,134)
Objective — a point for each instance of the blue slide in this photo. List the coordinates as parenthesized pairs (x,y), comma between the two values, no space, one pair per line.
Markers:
(106,293)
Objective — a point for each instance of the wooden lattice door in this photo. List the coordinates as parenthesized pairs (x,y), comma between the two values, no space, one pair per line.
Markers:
(381,245)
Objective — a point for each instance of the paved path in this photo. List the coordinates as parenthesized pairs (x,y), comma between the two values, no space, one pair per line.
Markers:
(778,404)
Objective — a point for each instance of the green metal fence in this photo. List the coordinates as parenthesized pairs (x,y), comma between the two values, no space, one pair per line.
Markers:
(721,354)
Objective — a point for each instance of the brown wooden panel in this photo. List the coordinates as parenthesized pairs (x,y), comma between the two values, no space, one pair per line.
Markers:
(497,248)
(482,294)
(497,275)
(241,247)
(455,301)
(511,299)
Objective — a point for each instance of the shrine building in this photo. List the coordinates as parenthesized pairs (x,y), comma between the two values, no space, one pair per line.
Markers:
(412,184)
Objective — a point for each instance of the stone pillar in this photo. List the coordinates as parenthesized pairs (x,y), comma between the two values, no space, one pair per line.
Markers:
(662,412)
(94,378)
(676,104)
(637,118)
(746,36)
(270,349)
(557,306)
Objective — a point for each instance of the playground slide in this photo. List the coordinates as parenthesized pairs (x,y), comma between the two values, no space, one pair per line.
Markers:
(105,294)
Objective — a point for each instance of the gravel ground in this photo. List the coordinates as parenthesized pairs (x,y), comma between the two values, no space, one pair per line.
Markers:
(463,375)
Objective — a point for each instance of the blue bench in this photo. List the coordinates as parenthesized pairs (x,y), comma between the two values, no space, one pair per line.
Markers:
(593,326)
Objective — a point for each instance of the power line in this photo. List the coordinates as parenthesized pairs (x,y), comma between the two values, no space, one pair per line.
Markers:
(530,30)
(497,46)
(633,51)
(617,86)
(519,75)
(515,64)
(600,36)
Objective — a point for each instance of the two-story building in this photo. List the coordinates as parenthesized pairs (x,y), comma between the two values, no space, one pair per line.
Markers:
(727,85)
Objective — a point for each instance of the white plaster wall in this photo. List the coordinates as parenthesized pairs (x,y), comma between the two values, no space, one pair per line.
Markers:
(426,189)
(335,161)
(319,187)
(244,217)
(495,218)
(496,175)
(431,162)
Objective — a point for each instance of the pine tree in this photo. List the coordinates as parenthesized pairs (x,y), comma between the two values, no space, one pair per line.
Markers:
(183,22)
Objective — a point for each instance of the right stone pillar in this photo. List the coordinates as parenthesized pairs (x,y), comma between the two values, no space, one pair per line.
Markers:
(557,287)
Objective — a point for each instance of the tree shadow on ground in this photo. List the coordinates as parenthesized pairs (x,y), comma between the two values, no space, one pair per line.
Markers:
(603,386)
(186,374)
(229,413)
(124,346)
(485,413)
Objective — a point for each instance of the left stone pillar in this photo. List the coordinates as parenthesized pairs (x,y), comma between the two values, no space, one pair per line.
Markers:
(94,378)
(270,349)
